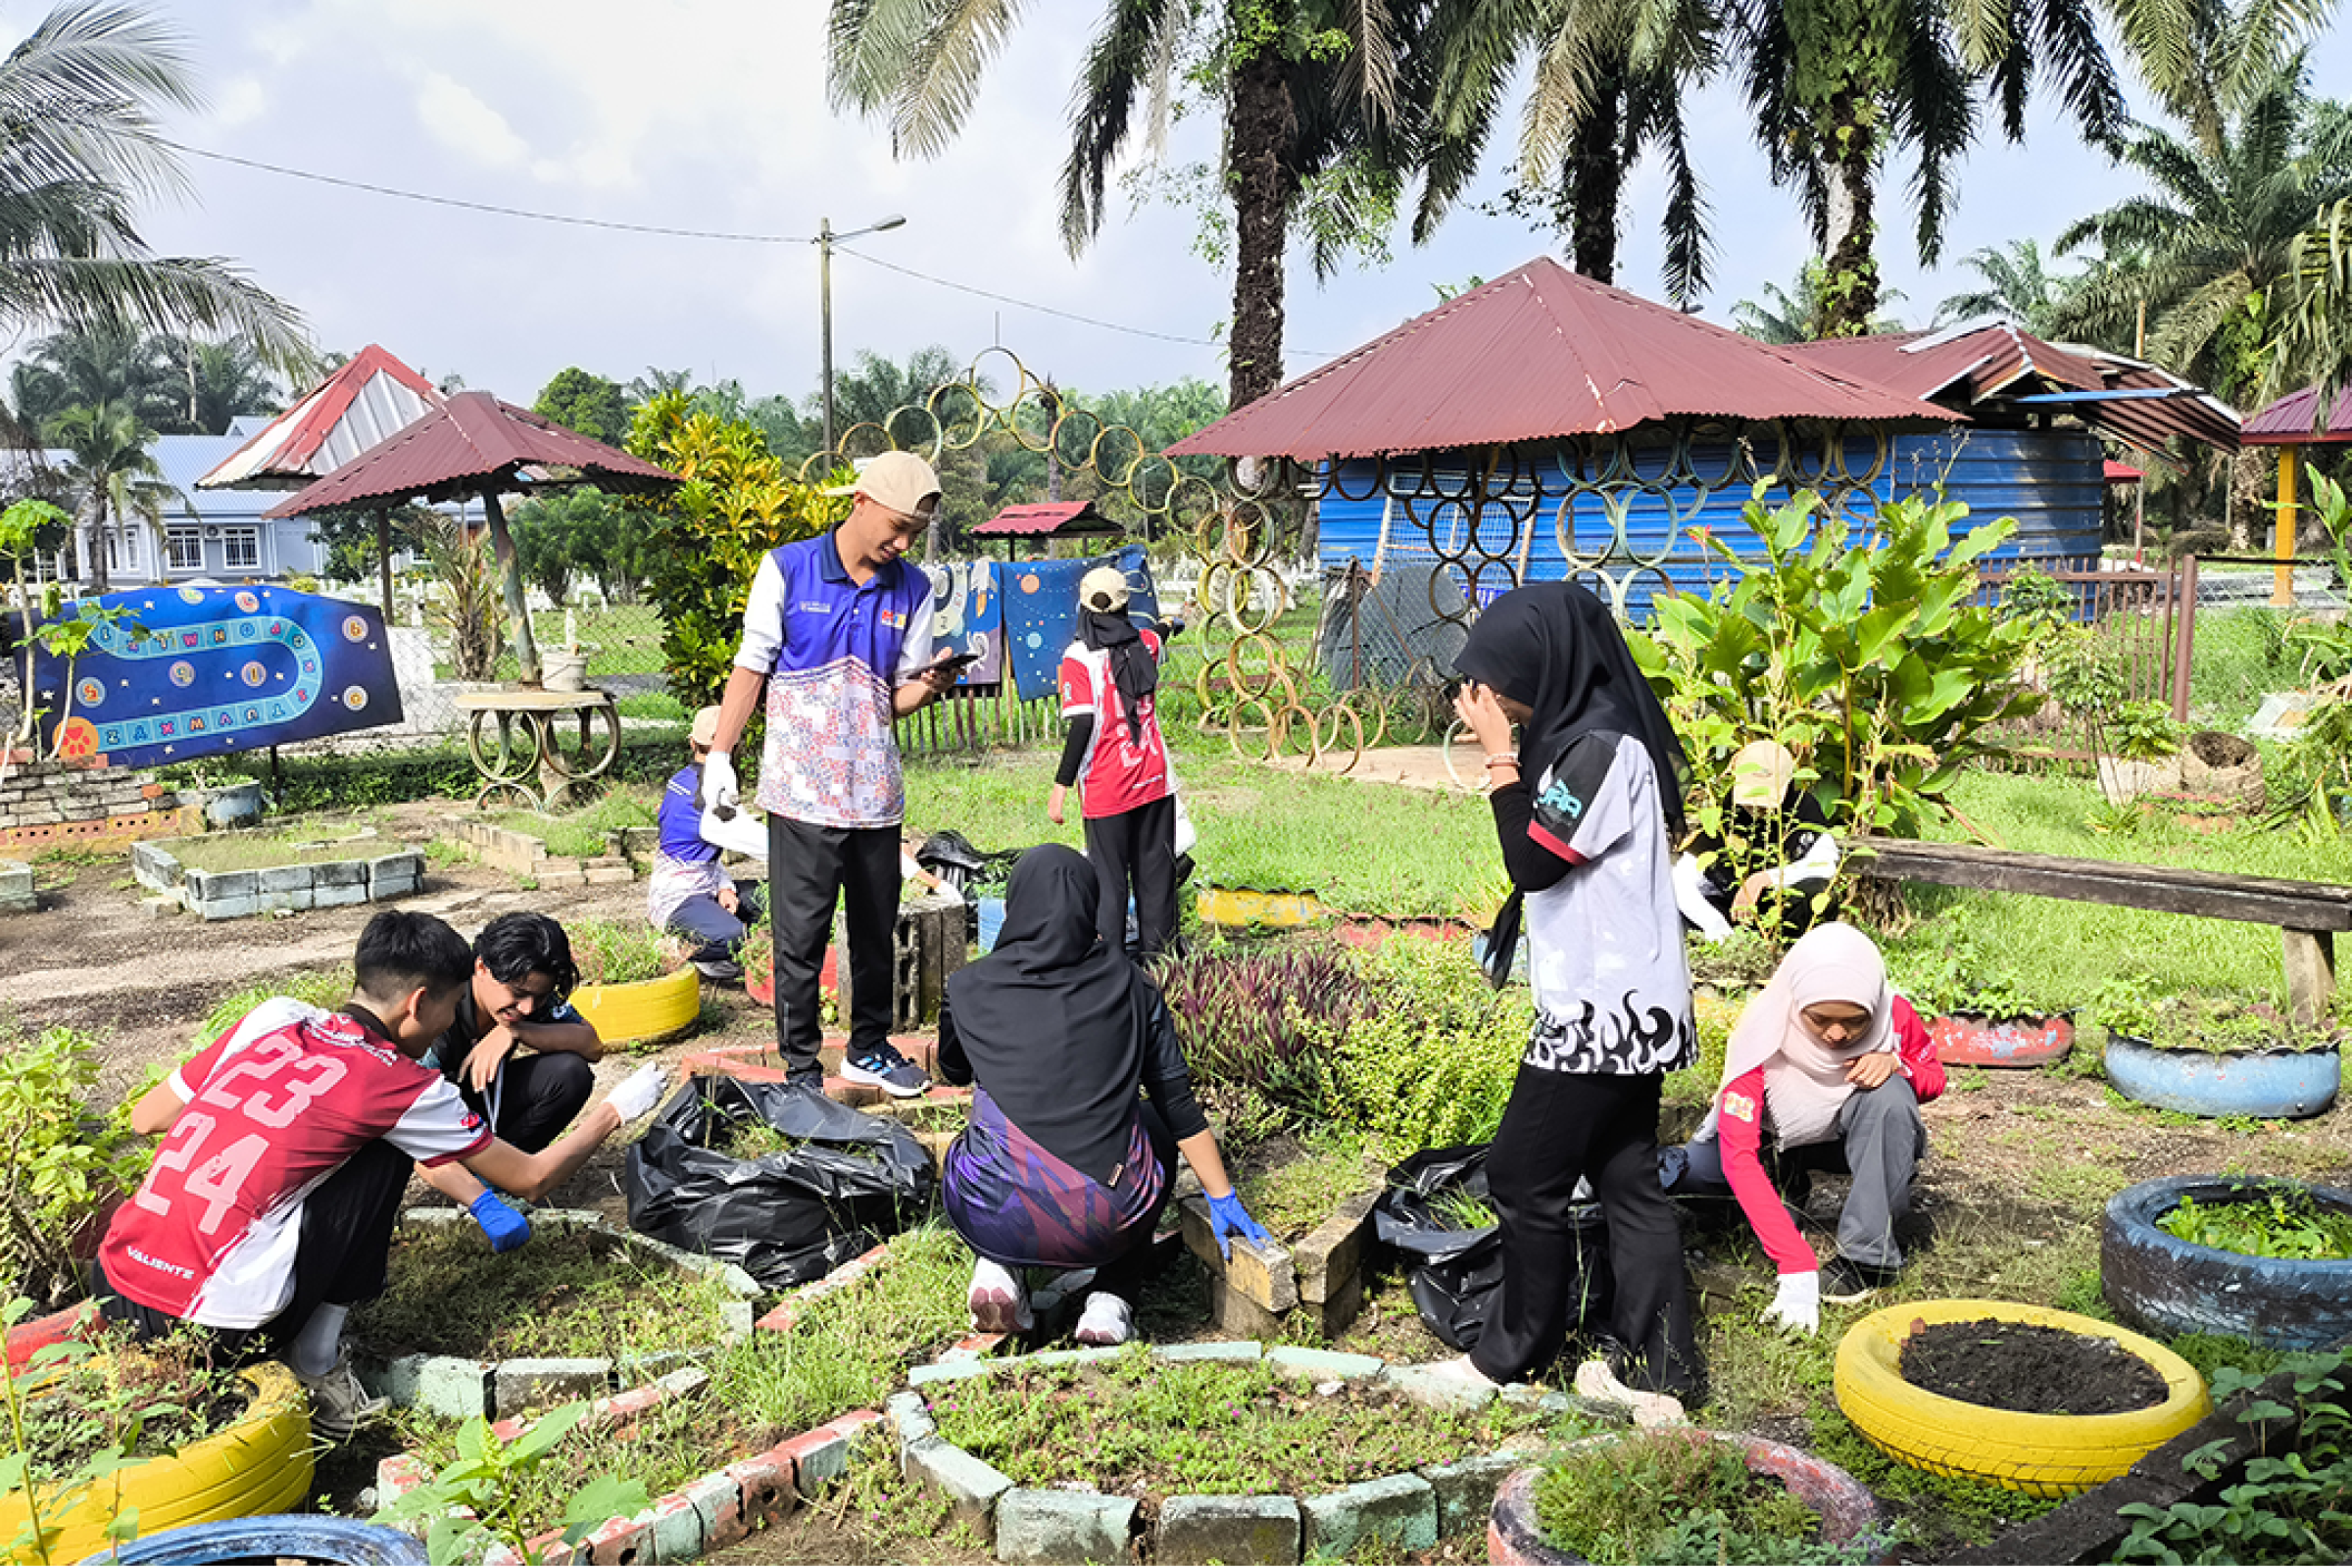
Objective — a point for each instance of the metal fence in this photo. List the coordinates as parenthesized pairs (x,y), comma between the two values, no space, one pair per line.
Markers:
(2144,621)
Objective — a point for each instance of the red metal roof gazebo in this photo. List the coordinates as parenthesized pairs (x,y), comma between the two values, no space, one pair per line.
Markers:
(1047,519)
(2290,424)
(474,445)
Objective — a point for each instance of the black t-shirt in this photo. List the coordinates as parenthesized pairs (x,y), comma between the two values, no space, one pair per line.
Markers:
(1757,839)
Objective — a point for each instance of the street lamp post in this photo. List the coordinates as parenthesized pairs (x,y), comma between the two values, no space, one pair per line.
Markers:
(825,238)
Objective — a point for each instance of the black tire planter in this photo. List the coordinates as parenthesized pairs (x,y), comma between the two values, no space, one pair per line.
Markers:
(2169,1286)
(2265,1084)
(280,1538)
(1846,1507)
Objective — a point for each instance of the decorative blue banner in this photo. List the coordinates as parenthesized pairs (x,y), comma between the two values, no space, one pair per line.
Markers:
(197,671)
(1041,613)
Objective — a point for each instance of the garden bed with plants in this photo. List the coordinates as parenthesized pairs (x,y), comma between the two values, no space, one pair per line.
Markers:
(580,1307)
(304,866)
(2212,1054)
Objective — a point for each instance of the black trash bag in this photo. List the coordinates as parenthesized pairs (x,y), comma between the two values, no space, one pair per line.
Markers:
(1456,1275)
(953,859)
(785,1218)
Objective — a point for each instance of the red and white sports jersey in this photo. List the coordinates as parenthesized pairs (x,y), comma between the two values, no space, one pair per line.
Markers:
(272,1109)
(1119,773)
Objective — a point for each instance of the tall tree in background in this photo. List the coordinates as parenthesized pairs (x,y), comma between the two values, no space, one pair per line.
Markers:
(1608,85)
(220,382)
(585,403)
(113,477)
(79,146)
(2017,285)
(1309,92)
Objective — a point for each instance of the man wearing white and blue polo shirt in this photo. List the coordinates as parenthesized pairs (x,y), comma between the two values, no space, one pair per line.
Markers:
(837,633)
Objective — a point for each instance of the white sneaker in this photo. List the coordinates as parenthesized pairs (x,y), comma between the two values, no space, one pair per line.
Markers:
(1107,1320)
(998,1302)
(339,1406)
(1596,1382)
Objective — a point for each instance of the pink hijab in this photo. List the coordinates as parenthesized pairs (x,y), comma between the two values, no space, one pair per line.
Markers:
(1804,1080)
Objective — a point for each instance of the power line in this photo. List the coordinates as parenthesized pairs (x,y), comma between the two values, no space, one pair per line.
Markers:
(491,207)
(497,210)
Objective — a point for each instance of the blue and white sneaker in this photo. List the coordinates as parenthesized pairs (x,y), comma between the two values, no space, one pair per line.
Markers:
(886,1070)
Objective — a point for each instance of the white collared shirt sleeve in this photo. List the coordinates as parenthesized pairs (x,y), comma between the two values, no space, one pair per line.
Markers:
(742,834)
(763,618)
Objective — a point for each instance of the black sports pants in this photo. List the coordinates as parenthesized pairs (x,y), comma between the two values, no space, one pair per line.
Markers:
(1137,846)
(808,868)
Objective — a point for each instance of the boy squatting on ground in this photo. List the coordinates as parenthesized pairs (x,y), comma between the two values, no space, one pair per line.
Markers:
(288,1142)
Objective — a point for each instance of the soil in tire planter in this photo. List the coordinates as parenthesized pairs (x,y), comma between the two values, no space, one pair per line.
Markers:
(2028,1367)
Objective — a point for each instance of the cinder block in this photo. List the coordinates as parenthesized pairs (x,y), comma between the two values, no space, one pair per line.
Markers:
(970,1486)
(818,1457)
(1466,1490)
(451,1387)
(617,1541)
(911,1418)
(340,873)
(677,1529)
(227,908)
(396,1475)
(596,876)
(1037,1526)
(16,896)
(1263,1275)
(395,1379)
(718,1503)
(769,1495)
(1235,1530)
(520,1384)
(1398,1512)
(211,885)
(334,895)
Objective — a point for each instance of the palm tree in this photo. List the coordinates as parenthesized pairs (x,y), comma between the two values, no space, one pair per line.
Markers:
(1608,86)
(115,476)
(2216,235)
(112,362)
(2314,342)
(218,382)
(1800,313)
(1836,89)
(2017,285)
(1310,101)
(79,144)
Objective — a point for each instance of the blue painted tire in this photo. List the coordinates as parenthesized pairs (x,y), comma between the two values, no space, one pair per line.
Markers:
(2165,1284)
(272,1538)
(2238,1082)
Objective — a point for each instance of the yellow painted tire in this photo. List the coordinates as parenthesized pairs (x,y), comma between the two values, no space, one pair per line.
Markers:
(260,1466)
(643,1010)
(1247,906)
(2045,1455)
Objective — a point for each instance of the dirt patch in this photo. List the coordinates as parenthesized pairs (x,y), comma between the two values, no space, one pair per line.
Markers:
(2029,1367)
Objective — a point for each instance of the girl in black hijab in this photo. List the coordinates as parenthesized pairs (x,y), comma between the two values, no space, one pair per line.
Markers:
(1584,805)
(1062,1165)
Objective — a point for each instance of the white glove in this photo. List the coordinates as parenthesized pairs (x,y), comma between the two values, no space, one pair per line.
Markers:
(720,795)
(1798,1302)
(639,1092)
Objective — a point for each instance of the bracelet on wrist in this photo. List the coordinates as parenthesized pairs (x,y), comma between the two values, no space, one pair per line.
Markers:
(1502,760)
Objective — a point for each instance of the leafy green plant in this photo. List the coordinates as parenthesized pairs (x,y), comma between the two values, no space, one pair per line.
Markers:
(1941,975)
(2196,1021)
(2284,1501)
(612,952)
(1431,1060)
(65,1151)
(1262,1018)
(2144,732)
(321,988)
(486,1481)
(1856,648)
(22,527)
(2264,1222)
(2040,601)
(1664,1497)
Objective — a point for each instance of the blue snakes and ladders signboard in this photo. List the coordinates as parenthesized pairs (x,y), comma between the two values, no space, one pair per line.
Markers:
(197,671)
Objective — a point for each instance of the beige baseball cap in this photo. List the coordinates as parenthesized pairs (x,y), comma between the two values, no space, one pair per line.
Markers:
(899,481)
(706,727)
(1103,590)
(1761,774)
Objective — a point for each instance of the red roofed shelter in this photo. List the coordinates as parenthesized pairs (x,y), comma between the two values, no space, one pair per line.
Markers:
(369,396)
(1044,521)
(474,445)
(2290,424)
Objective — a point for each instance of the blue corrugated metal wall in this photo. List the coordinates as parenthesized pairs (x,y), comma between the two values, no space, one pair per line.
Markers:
(2048,480)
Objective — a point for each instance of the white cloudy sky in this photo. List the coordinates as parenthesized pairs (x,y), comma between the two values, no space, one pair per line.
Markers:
(712,115)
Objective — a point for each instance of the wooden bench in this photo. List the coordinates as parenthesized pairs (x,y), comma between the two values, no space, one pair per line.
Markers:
(2308,915)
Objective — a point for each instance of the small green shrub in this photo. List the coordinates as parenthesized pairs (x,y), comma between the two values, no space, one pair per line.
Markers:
(2264,1222)
(613,953)
(64,1154)
(1432,1061)
(2286,1502)
(1661,1498)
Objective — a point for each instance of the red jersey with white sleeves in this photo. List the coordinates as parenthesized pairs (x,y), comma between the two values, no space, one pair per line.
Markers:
(1742,1113)
(271,1110)
(1119,771)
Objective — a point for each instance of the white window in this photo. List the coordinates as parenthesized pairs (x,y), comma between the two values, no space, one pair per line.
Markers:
(184,550)
(241,549)
(114,550)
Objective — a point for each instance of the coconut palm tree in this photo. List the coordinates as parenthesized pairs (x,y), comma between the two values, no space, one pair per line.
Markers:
(2017,285)
(1800,313)
(1309,97)
(217,383)
(2314,318)
(115,479)
(79,146)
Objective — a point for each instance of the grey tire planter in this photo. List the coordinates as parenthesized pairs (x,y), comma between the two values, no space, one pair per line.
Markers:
(2168,1286)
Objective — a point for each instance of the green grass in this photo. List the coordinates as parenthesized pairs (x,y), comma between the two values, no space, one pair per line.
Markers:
(582,832)
(1331,1165)
(290,844)
(322,988)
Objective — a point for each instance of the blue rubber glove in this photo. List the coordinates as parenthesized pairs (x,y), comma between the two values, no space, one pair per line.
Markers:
(1228,1218)
(505,1229)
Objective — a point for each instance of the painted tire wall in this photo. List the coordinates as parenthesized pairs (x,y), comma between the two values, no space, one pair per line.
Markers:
(260,1466)
(644,1009)
(2045,1455)
(1847,1506)
(34,1334)
(2203,1082)
(1968,1040)
(305,1538)
(2169,1286)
